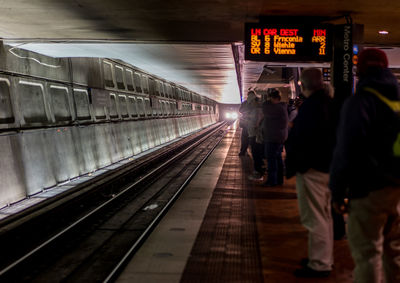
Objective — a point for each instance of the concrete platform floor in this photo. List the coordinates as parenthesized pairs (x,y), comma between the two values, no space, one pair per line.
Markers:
(225,228)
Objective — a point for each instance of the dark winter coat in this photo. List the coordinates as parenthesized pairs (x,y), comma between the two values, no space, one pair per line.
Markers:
(361,157)
(311,140)
(275,123)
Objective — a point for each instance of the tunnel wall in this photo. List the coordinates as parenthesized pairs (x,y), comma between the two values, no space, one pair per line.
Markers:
(34,160)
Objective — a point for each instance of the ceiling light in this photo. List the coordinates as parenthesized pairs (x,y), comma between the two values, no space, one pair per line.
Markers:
(383,32)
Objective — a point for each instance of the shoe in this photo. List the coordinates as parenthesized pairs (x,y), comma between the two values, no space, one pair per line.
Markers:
(256,176)
(304,262)
(307,272)
(269,184)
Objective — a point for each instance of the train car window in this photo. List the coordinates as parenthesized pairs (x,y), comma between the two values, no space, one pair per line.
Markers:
(108,74)
(132,106)
(32,102)
(129,79)
(113,106)
(147,107)
(140,107)
(138,82)
(119,77)
(6,111)
(145,84)
(60,103)
(123,106)
(81,100)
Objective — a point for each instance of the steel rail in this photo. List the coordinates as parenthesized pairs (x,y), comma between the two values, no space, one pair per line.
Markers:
(118,268)
(142,179)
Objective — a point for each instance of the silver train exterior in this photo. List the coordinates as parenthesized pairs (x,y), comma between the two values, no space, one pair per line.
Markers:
(61,118)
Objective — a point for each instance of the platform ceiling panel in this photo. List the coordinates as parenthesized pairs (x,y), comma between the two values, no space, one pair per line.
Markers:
(182,25)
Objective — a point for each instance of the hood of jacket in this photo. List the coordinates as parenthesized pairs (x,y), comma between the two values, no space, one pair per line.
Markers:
(383,81)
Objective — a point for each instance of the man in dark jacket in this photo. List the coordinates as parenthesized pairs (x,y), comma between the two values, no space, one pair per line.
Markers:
(308,155)
(365,171)
(275,129)
(244,139)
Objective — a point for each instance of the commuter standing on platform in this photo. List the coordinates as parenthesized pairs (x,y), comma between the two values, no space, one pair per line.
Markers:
(254,121)
(308,156)
(243,123)
(365,169)
(275,129)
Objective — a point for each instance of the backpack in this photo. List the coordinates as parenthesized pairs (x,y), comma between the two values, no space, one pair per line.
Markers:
(392,169)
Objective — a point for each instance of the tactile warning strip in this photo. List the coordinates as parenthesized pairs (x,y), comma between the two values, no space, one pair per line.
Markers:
(226,248)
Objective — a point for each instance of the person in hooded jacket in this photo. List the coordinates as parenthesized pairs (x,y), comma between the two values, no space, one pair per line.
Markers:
(364,171)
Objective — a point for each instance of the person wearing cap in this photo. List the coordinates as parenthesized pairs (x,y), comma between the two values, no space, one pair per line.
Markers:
(361,172)
(309,150)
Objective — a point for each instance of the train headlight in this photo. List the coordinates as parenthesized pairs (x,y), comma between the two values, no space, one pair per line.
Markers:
(231,115)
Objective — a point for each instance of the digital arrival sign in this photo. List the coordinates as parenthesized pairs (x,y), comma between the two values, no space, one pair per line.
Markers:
(284,43)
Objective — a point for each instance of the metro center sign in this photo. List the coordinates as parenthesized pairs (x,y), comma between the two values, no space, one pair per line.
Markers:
(295,43)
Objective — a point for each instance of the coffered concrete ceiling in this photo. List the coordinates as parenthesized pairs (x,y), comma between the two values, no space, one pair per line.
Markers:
(189,42)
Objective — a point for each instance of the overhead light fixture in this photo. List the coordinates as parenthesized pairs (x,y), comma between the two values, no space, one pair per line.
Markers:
(383,32)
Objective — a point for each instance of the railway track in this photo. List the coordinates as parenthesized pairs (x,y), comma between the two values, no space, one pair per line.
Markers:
(90,237)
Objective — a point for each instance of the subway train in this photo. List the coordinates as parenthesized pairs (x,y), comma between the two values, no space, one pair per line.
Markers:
(61,118)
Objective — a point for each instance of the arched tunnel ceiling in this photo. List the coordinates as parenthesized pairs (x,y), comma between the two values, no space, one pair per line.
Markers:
(188,42)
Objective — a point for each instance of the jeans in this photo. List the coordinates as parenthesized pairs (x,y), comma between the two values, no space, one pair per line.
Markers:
(273,153)
(257,153)
(244,141)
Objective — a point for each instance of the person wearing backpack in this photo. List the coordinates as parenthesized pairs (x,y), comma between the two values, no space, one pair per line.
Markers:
(366,170)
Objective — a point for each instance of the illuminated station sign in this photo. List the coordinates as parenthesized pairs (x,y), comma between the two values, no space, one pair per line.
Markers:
(283,43)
